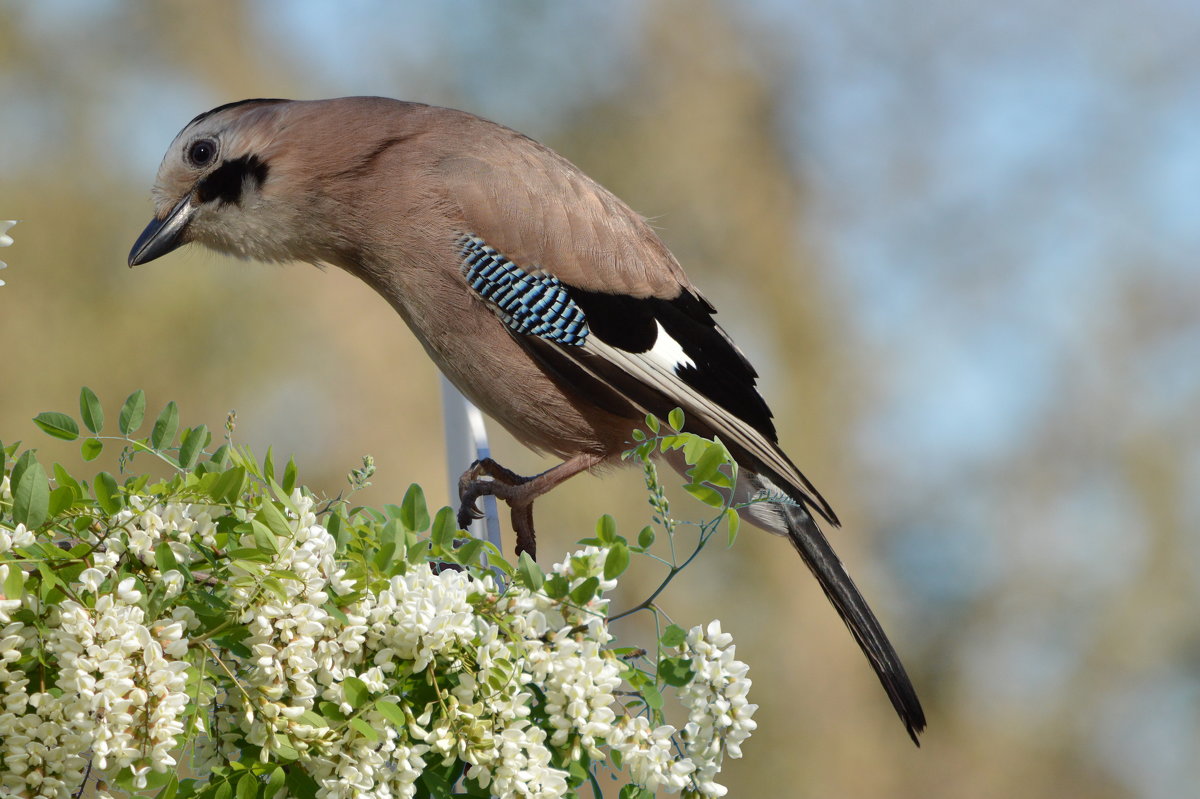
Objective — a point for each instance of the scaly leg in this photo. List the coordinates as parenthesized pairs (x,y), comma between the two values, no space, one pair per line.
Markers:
(488,477)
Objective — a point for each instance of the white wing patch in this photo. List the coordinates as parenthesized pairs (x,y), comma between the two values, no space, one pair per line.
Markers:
(667,351)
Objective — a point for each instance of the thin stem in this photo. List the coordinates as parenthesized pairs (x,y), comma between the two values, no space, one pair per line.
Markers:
(646,604)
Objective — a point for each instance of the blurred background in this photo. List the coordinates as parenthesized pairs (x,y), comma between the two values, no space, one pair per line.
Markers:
(958,239)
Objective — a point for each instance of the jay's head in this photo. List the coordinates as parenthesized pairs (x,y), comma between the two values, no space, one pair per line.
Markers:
(265,179)
(216,184)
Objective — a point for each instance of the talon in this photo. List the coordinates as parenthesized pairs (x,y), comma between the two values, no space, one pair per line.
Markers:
(487,478)
(468,512)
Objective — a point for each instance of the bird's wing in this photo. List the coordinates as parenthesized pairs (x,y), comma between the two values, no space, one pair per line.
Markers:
(590,291)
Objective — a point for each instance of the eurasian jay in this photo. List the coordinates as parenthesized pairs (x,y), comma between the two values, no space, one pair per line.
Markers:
(545,299)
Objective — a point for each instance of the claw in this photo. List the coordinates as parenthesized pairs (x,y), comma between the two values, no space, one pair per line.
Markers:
(469,510)
(487,478)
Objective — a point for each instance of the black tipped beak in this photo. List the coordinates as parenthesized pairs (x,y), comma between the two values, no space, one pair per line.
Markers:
(162,236)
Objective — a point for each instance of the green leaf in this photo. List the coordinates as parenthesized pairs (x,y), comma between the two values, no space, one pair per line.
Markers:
(275,783)
(165,426)
(107,494)
(221,457)
(132,412)
(556,586)
(58,425)
(90,410)
(707,465)
(676,671)
(247,786)
(289,476)
(268,470)
(632,791)
(529,573)
(391,711)
(164,558)
(720,479)
(436,785)
(673,636)
(356,691)
(364,729)
(63,478)
(443,530)
(468,553)
(693,447)
(668,443)
(617,561)
(654,699)
(606,529)
(14,583)
(497,561)
(90,448)
(30,491)
(652,423)
(194,440)
(584,592)
(275,521)
(61,498)
(384,557)
(171,789)
(264,539)
(228,485)
(646,537)
(733,521)
(314,719)
(709,496)
(675,418)
(300,785)
(414,515)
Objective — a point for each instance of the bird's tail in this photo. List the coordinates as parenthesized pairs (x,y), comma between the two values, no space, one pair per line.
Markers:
(782,515)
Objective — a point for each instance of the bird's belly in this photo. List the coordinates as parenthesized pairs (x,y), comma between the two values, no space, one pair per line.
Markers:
(481,358)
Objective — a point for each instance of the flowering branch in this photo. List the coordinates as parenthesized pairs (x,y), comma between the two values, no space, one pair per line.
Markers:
(286,646)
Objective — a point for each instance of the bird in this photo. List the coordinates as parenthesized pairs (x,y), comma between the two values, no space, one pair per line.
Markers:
(545,299)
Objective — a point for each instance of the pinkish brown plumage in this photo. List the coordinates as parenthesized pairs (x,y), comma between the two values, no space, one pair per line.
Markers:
(543,297)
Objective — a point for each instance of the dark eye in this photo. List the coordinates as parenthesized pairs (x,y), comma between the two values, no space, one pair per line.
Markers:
(201,152)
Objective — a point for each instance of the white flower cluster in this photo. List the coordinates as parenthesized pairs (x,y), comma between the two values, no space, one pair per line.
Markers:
(446,652)
(719,716)
(719,720)
(365,685)
(108,682)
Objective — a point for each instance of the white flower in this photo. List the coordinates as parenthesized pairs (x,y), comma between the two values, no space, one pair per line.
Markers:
(649,755)
(127,592)
(5,239)
(18,537)
(91,579)
(719,716)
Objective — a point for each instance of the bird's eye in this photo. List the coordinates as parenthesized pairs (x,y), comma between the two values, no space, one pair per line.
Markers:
(201,152)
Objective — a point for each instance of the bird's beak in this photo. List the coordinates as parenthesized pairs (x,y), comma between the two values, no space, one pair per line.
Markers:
(162,235)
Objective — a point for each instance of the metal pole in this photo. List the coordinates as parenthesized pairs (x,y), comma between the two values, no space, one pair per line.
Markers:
(466,442)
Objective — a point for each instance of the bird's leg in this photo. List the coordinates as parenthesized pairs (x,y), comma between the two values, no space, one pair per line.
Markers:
(486,477)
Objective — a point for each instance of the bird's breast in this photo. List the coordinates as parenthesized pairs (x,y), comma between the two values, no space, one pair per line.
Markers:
(473,344)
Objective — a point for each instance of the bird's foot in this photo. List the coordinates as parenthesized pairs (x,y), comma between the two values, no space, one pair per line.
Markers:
(484,478)
(488,478)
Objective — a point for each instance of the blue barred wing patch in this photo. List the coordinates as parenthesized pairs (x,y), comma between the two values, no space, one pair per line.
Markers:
(528,302)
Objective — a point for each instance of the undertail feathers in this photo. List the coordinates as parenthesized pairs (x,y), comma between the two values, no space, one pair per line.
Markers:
(793,520)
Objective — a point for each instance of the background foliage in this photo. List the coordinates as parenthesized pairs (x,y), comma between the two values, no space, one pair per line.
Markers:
(957,239)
